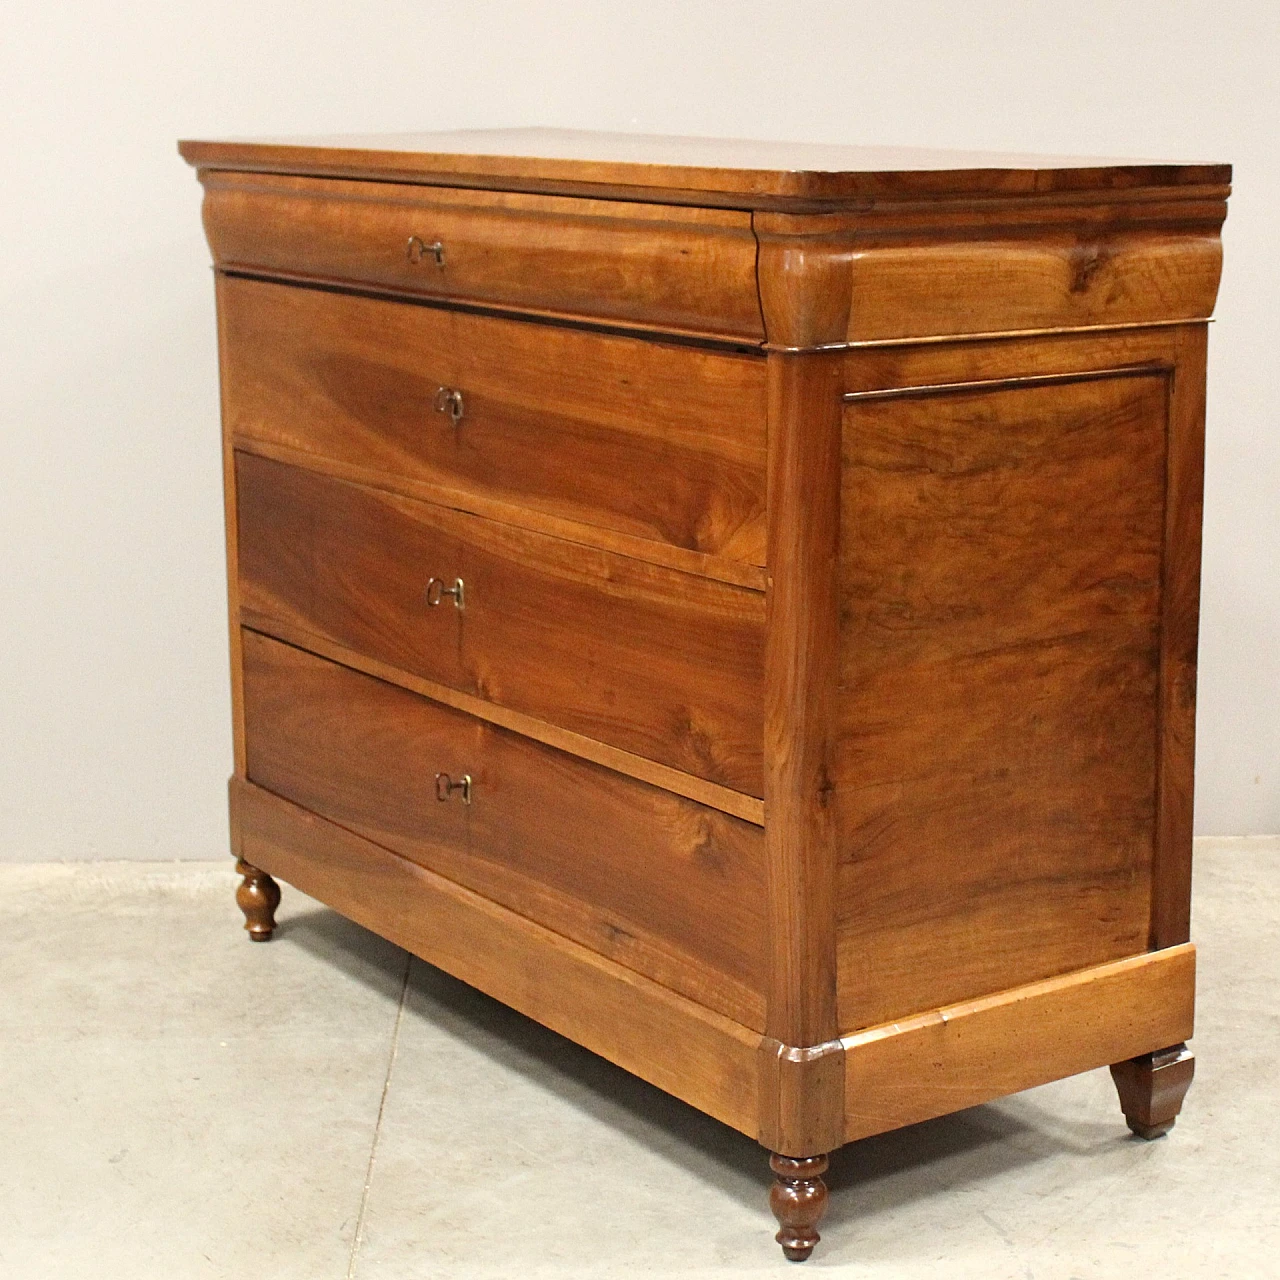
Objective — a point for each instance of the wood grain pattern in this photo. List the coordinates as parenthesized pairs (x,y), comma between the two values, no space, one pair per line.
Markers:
(662,664)
(798,1199)
(956,1057)
(1152,1087)
(1179,637)
(231,532)
(802,1097)
(816,736)
(800,661)
(640,166)
(659,441)
(737,572)
(651,880)
(829,281)
(805,295)
(977,359)
(257,896)
(748,808)
(1115,277)
(700,1056)
(999,671)
(646,266)
(1181,349)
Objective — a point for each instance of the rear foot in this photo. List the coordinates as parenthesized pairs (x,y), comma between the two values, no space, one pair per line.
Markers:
(1152,1088)
(258,897)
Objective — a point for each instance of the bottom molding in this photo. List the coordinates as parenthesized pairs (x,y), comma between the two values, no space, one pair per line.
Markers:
(699,1056)
(799,1102)
(935,1063)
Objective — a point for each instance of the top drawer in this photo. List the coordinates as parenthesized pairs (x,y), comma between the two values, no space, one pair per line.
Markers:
(661,267)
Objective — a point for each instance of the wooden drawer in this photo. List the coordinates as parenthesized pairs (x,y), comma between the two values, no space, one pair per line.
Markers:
(666,665)
(658,441)
(659,883)
(676,269)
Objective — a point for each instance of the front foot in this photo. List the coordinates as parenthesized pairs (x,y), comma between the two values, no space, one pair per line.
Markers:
(258,896)
(798,1199)
(1152,1088)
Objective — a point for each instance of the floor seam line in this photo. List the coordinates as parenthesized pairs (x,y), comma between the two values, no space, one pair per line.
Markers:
(358,1237)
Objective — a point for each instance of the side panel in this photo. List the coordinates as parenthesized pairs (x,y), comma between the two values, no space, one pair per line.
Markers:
(996,762)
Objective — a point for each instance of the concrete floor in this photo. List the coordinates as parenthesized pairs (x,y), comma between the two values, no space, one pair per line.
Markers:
(176,1102)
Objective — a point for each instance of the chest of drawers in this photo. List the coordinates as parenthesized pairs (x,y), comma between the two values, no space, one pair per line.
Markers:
(735,603)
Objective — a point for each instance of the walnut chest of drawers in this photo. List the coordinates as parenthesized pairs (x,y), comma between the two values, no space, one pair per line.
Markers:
(735,603)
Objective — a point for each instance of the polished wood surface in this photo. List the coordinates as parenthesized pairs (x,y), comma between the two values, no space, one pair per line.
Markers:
(676,893)
(659,441)
(754,173)
(975,359)
(1115,277)
(802,632)
(961,1055)
(1152,1087)
(795,592)
(738,572)
(665,665)
(748,808)
(1179,636)
(644,266)
(698,1055)
(231,532)
(801,1096)
(895,275)
(1001,589)
(257,896)
(798,1199)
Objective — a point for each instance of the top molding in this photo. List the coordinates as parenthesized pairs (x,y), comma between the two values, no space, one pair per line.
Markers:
(783,176)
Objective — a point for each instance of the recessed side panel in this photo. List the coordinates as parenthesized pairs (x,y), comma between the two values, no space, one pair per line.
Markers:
(995,765)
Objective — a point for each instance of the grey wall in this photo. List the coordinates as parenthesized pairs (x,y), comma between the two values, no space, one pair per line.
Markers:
(113,692)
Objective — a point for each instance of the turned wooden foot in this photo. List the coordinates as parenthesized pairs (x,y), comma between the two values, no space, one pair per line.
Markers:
(798,1199)
(258,897)
(1152,1088)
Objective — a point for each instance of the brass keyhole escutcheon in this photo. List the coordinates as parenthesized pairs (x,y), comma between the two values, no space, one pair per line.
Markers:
(450,401)
(418,250)
(436,592)
(446,786)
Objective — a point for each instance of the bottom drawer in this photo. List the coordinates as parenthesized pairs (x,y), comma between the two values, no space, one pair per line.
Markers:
(652,880)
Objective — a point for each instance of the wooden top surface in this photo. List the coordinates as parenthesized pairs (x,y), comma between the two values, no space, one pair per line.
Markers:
(725,170)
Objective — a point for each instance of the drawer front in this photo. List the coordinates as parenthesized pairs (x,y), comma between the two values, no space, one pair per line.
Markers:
(663,664)
(657,882)
(655,440)
(662,267)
